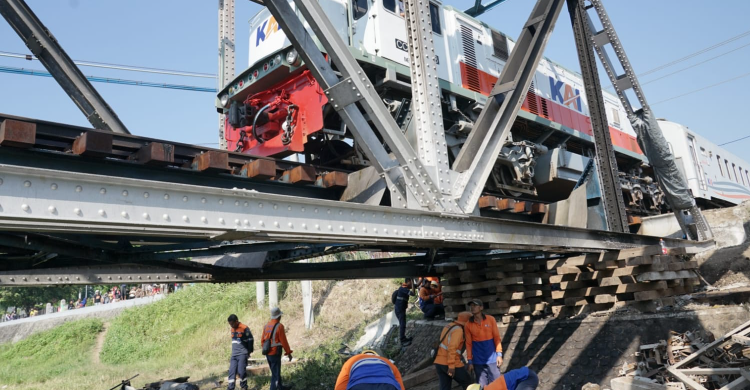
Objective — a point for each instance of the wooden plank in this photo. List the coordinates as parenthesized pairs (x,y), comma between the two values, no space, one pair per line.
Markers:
(94,144)
(519,207)
(333,180)
(616,281)
(636,287)
(475,293)
(505,266)
(512,296)
(609,264)
(472,265)
(259,169)
(155,153)
(577,284)
(505,204)
(569,270)
(211,161)
(666,275)
(465,300)
(583,292)
(486,202)
(520,287)
(472,278)
(302,175)
(470,286)
(17,134)
(535,208)
(587,259)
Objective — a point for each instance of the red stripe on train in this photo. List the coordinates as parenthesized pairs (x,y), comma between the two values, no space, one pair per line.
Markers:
(479,81)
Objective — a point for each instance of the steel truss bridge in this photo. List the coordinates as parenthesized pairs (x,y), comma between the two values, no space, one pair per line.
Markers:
(83,206)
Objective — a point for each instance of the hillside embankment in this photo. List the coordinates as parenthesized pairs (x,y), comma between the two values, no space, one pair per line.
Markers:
(186,334)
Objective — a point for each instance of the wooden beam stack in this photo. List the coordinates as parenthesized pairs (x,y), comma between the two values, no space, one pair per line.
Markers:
(519,289)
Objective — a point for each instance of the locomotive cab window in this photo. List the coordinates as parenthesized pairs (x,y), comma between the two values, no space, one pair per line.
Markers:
(359,8)
(435,19)
(395,6)
(718,159)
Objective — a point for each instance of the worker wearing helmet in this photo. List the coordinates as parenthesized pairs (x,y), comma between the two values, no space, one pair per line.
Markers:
(368,371)
(448,361)
(519,379)
(429,295)
(483,348)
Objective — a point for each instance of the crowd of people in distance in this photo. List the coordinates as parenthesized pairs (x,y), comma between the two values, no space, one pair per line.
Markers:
(105,296)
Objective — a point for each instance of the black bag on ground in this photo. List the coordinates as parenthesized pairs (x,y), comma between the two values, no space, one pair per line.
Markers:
(266,347)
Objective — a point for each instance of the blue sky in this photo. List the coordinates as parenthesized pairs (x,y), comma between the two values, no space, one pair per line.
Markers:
(182,35)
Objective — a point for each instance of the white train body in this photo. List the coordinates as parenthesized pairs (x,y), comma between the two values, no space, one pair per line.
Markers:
(471,56)
(713,174)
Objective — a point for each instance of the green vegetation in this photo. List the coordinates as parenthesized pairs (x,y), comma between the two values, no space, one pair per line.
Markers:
(165,331)
(57,350)
(186,334)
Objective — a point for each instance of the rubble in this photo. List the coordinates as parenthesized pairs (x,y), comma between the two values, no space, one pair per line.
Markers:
(692,360)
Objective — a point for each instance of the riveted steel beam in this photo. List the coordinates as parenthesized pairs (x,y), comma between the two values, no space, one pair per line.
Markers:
(479,154)
(37,200)
(406,175)
(109,274)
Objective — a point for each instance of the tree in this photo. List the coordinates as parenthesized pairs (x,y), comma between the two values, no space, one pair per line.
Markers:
(28,297)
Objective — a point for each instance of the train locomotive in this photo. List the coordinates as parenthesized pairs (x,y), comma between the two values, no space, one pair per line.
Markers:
(276,108)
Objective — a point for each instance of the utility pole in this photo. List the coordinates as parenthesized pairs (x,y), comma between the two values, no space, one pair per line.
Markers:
(226,55)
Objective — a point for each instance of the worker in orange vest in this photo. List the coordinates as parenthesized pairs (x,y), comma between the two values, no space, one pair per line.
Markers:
(242,347)
(449,362)
(483,348)
(428,295)
(519,379)
(368,371)
(272,342)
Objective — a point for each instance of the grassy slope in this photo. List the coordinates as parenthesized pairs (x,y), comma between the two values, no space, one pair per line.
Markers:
(186,334)
(48,355)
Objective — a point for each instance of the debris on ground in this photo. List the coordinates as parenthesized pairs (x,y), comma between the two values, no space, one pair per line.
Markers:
(694,360)
(180,383)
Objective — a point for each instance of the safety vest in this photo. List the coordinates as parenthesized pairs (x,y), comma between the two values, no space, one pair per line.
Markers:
(371,371)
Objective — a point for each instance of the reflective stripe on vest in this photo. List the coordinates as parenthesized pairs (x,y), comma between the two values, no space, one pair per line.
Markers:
(367,361)
(445,347)
(273,336)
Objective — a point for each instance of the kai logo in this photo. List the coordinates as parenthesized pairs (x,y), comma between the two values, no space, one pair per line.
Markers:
(268,27)
(565,94)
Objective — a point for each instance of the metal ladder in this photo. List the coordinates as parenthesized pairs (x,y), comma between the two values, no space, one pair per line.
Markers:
(690,218)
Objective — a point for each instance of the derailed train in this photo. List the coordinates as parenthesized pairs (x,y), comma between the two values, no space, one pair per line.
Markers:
(276,108)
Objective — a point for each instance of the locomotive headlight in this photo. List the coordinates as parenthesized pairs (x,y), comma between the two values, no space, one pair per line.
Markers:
(224,99)
(292,58)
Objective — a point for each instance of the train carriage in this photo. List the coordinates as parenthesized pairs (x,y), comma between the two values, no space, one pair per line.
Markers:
(276,108)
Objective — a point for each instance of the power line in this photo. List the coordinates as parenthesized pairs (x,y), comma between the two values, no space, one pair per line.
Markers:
(689,56)
(32,72)
(704,88)
(129,68)
(733,141)
(696,64)
(697,53)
